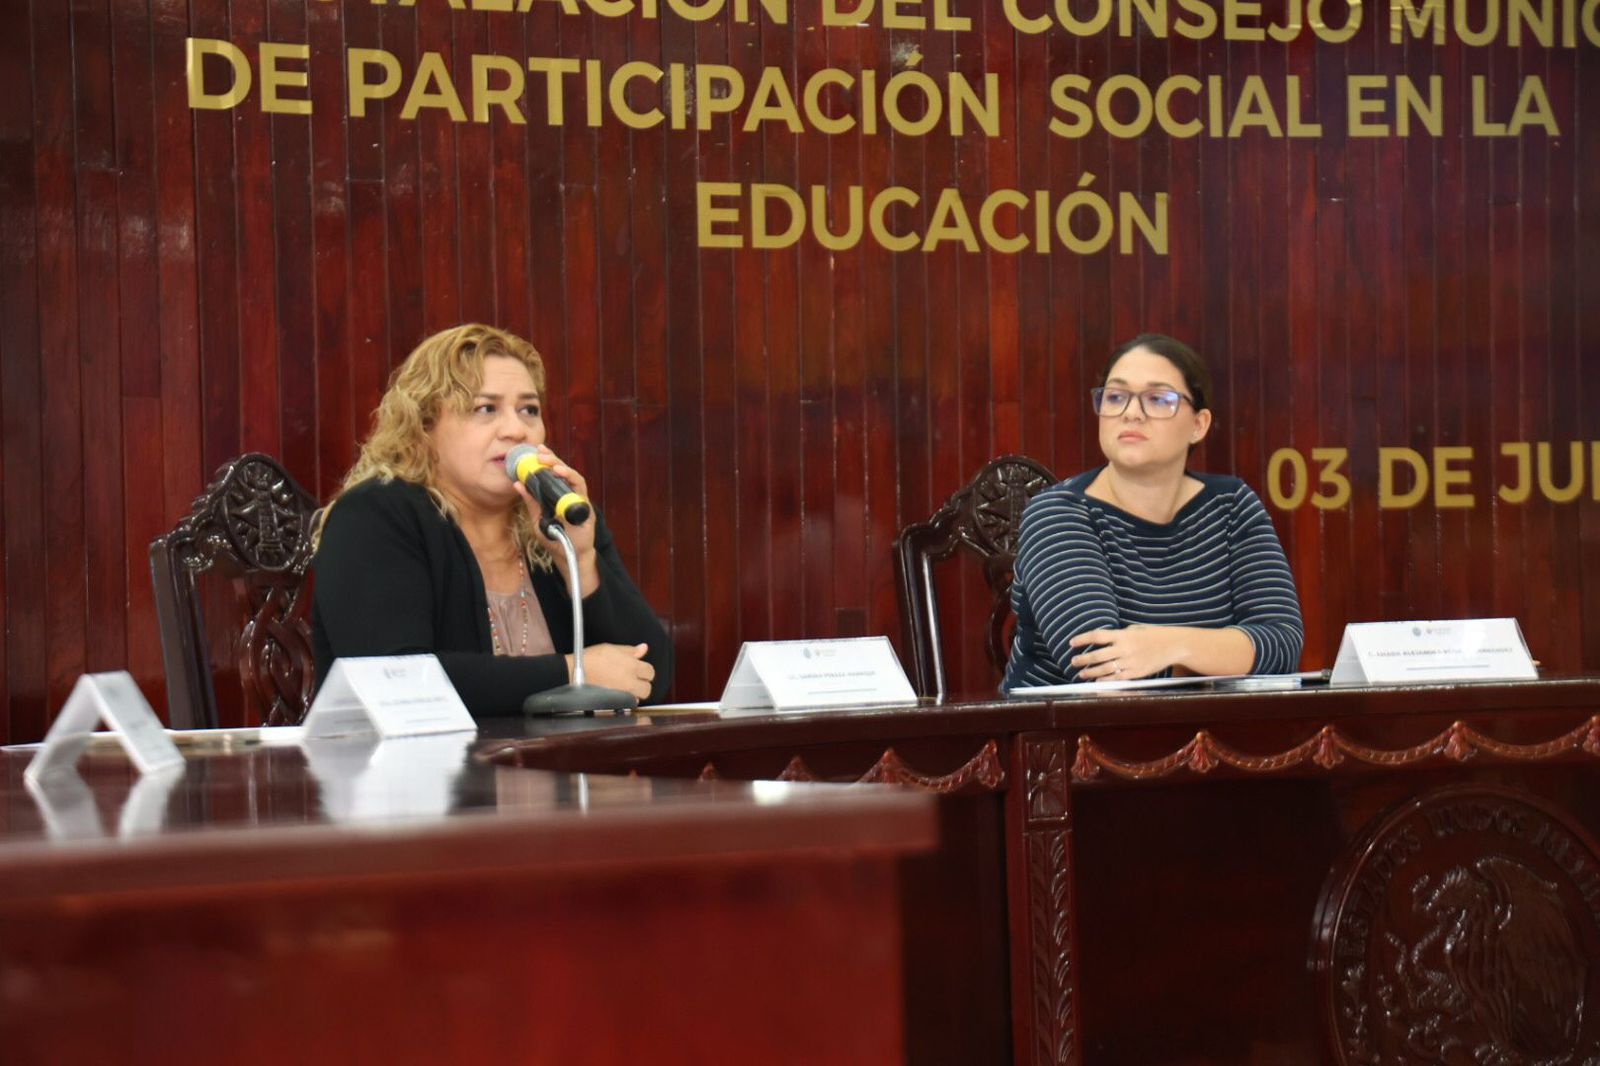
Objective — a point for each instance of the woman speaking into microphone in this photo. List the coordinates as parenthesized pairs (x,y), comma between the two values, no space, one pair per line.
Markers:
(430,546)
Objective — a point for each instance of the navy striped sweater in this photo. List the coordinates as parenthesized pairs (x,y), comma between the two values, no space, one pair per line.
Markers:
(1084,564)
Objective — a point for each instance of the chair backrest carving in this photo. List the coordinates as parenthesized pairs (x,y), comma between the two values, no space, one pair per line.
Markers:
(252,525)
(984,517)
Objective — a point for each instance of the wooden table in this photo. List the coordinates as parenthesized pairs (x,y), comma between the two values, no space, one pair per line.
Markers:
(415,904)
(1350,875)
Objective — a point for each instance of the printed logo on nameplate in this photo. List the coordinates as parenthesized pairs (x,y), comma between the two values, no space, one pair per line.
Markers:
(115,700)
(789,675)
(1470,649)
(390,696)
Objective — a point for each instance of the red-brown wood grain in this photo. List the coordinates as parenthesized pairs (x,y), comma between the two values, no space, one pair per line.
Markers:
(22,586)
(138,341)
(1587,311)
(261,862)
(719,464)
(179,285)
(65,556)
(1448,413)
(333,437)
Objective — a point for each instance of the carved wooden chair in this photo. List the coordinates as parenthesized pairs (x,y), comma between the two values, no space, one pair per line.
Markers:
(252,526)
(985,517)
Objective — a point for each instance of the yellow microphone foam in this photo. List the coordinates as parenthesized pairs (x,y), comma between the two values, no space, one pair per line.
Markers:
(527,466)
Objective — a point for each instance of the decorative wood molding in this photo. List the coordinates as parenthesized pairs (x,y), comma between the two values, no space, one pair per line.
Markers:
(1047,840)
(984,772)
(1050,940)
(797,770)
(1327,749)
(1047,780)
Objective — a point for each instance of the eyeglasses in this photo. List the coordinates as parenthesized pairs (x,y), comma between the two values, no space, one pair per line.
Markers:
(1155,403)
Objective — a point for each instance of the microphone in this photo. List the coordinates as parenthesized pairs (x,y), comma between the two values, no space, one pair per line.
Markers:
(558,500)
(555,496)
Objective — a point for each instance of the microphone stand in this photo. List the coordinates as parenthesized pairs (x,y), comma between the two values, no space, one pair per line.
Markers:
(579,696)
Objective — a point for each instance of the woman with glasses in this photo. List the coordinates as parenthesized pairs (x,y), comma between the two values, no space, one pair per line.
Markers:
(1141,567)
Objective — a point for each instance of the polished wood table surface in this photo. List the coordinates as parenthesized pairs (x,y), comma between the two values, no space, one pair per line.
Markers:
(1328,875)
(411,902)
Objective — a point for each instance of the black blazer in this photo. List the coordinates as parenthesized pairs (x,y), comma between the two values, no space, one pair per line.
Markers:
(393,576)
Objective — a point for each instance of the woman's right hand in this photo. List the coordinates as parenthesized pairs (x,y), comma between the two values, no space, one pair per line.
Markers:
(619,666)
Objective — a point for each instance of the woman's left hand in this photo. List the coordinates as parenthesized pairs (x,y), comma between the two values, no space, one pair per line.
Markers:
(1126,654)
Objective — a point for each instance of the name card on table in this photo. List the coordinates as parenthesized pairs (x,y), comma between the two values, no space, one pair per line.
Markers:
(789,675)
(115,700)
(1471,649)
(387,696)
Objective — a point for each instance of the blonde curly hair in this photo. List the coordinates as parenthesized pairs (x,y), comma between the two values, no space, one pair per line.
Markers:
(445,370)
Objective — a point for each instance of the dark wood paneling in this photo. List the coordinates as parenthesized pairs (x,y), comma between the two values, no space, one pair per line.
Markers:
(65,554)
(144,513)
(177,286)
(1583,389)
(22,584)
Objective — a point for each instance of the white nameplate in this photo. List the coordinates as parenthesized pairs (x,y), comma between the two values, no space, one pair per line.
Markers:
(789,675)
(115,700)
(1475,649)
(388,696)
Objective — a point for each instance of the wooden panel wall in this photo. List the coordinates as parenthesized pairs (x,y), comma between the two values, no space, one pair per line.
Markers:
(178,286)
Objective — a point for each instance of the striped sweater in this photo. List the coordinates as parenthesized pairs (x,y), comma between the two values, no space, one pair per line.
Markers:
(1084,564)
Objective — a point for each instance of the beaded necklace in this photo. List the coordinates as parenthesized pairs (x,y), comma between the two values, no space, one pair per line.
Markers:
(524,609)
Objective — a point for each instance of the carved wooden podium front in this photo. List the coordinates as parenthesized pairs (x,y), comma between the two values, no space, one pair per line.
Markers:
(1460,924)
(1464,927)
(1353,876)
